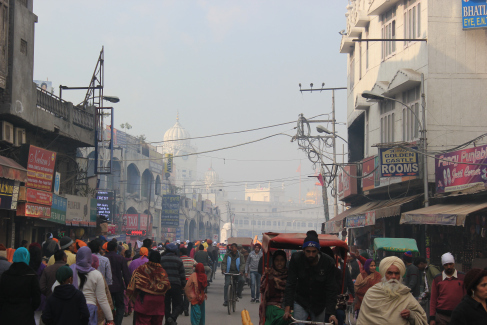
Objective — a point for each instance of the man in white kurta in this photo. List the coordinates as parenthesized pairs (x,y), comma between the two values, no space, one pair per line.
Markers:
(389,301)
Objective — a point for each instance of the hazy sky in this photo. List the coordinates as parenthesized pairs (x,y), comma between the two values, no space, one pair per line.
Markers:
(225,65)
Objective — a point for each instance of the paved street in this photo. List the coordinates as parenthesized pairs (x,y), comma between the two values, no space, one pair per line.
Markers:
(215,312)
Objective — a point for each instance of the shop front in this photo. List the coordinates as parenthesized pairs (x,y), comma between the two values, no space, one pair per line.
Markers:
(80,217)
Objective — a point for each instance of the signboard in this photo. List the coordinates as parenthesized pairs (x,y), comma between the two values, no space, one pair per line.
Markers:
(452,175)
(178,234)
(33,210)
(131,222)
(35,196)
(347,185)
(215,238)
(144,219)
(40,168)
(93,212)
(57,183)
(367,219)
(104,204)
(398,162)
(170,211)
(58,209)
(429,219)
(77,210)
(333,227)
(9,192)
(112,229)
(474,14)
(136,233)
(168,165)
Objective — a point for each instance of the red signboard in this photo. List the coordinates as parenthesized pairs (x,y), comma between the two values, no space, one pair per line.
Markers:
(136,233)
(131,222)
(368,166)
(33,210)
(40,168)
(112,229)
(347,185)
(35,196)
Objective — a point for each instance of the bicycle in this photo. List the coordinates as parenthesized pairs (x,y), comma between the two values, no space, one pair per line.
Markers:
(232,292)
(295,321)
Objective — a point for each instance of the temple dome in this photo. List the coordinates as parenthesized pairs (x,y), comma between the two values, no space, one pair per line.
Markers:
(175,133)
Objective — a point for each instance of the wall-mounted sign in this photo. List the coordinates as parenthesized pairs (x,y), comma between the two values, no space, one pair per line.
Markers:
(40,168)
(347,184)
(58,209)
(398,162)
(105,203)
(136,233)
(170,211)
(474,14)
(77,210)
(35,196)
(131,222)
(33,210)
(57,183)
(358,221)
(9,193)
(452,175)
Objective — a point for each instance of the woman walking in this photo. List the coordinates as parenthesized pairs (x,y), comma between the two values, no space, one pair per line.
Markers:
(195,291)
(472,310)
(147,287)
(37,265)
(20,293)
(92,284)
(101,316)
(365,280)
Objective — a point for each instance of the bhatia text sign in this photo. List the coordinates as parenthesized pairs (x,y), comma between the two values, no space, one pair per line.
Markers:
(398,162)
(40,168)
(474,14)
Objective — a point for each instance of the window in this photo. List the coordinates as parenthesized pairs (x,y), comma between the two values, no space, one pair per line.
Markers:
(412,19)
(360,59)
(310,225)
(274,223)
(410,122)
(23,46)
(288,224)
(246,222)
(253,222)
(367,50)
(387,121)
(388,32)
(258,223)
(268,223)
(352,70)
(303,224)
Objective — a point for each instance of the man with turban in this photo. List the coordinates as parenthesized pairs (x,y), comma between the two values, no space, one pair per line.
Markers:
(390,301)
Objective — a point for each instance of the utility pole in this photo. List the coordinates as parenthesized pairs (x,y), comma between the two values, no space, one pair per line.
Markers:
(324,191)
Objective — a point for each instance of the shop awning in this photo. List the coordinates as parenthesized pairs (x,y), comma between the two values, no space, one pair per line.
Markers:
(442,214)
(11,170)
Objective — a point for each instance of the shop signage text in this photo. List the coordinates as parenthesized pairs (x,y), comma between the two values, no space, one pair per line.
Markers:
(429,219)
(9,193)
(347,184)
(474,14)
(35,196)
(58,209)
(40,168)
(136,233)
(104,204)
(33,210)
(367,219)
(170,211)
(398,162)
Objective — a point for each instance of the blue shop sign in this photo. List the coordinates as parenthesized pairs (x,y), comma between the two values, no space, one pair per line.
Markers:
(474,14)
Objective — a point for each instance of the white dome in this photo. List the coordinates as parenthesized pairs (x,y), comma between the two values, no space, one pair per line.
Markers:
(177,132)
(211,177)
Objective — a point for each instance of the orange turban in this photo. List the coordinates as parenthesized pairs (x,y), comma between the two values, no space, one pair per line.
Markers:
(105,246)
(144,251)
(79,244)
(56,240)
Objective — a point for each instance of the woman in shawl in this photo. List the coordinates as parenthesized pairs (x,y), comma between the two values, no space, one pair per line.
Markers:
(36,264)
(20,293)
(191,250)
(272,290)
(101,316)
(92,284)
(147,288)
(195,291)
(365,280)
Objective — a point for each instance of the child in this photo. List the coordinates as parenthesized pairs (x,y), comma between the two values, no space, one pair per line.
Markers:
(195,291)
(66,305)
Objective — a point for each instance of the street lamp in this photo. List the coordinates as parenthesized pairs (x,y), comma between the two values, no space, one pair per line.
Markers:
(322,129)
(370,95)
(111,99)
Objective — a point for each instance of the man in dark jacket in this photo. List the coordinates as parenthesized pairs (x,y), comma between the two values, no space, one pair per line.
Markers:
(48,276)
(174,267)
(120,279)
(311,285)
(67,305)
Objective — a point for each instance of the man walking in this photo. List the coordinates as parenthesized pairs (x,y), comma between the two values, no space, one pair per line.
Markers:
(411,279)
(68,245)
(447,291)
(173,265)
(251,268)
(311,287)
(120,280)
(104,267)
(201,256)
(232,263)
(189,265)
(48,276)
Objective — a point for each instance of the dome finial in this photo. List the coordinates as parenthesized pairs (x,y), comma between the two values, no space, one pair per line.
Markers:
(177,116)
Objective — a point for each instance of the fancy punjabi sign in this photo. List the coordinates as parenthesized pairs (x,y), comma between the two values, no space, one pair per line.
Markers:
(457,170)
(40,168)
(474,14)
(400,162)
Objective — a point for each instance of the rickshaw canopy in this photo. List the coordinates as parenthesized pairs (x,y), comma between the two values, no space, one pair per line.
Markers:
(241,241)
(272,240)
(400,245)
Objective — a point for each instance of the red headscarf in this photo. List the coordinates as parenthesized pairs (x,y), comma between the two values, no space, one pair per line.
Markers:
(201,275)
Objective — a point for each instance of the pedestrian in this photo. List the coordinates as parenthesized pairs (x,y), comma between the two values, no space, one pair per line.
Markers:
(37,265)
(174,267)
(353,266)
(447,291)
(195,291)
(251,269)
(472,310)
(271,309)
(427,273)
(147,289)
(129,306)
(191,249)
(144,253)
(48,277)
(214,253)
(91,282)
(232,263)
(95,263)
(50,246)
(68,245)
(105,267)
(365,280)
(20,294)
(390,301)
(311,288)
(201,256)
(120,279)
(189,265)
(67,305)
(78,244)
(411,279)
(4,263)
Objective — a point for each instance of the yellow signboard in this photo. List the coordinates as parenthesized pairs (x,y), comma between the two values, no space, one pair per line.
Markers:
(398,162)
(168,165)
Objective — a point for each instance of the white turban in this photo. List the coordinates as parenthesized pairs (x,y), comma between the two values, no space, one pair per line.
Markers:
(387,262)
(447,258)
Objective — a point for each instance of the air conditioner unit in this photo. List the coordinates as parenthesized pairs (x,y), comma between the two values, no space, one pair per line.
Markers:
(7,132)
(19,137)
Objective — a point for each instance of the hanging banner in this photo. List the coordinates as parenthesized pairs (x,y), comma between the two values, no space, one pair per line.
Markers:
(367,219)
(474,14)
(398,162)
(58,209)
(452,175)
(429,219)
(40,168)
(57,183)
(170,211)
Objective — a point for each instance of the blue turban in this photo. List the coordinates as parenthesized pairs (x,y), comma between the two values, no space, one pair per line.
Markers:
(171,247)
(21,255)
